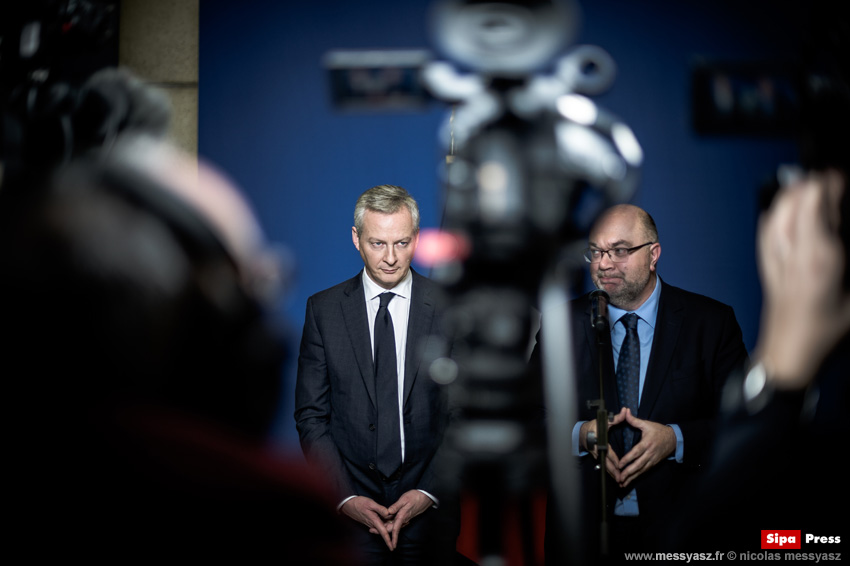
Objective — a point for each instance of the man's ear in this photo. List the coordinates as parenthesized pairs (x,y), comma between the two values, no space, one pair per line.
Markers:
(655,252)
(354,238)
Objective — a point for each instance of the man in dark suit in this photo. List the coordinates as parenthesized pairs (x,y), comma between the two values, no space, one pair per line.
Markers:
(339,410)
(681,349)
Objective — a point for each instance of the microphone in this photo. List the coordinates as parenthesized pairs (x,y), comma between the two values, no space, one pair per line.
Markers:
(599,309)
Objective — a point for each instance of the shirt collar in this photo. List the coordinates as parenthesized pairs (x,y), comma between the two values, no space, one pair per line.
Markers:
(648,311)
(402,289)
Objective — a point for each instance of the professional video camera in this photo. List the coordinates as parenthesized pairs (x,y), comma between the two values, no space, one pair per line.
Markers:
(48,50)
(531,161)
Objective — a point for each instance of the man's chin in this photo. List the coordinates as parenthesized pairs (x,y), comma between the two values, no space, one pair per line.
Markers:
(616,294)
(612,287)
(385,281)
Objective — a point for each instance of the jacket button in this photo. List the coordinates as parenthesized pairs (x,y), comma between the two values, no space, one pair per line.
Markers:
(371,427)
(372,466)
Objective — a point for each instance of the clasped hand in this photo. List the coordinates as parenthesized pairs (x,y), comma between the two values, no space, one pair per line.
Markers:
(387,521)
(657,443)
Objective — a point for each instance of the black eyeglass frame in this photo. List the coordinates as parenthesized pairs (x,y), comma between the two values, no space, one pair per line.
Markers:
(630,251)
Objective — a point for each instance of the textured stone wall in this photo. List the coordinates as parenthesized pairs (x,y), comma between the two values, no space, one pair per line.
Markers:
(158,40)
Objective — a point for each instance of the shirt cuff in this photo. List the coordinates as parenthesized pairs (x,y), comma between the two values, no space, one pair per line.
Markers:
(577,440)
(431,497)
(680,444)
(343,502)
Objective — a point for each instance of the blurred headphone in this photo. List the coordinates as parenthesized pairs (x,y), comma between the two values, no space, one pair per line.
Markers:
(94,299)
(229,357)
(233,353)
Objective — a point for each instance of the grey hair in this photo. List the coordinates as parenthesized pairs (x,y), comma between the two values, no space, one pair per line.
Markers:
(386,199)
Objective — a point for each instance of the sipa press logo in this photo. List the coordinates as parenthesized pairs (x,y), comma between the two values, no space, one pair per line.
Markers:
(774,540)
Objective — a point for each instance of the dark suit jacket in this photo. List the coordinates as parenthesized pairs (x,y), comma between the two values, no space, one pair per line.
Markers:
(335,391)
(697,344)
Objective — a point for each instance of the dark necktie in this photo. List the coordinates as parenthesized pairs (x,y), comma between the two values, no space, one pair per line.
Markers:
(386,385)
(628,374)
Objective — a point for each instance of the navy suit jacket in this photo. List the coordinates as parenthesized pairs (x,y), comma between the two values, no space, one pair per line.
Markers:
(696,346)
(335,400)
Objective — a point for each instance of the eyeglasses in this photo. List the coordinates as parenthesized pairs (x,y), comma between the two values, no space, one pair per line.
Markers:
(617,255)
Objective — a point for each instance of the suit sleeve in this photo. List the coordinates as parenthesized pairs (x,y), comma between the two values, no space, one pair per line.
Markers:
(726,354)
(313,406)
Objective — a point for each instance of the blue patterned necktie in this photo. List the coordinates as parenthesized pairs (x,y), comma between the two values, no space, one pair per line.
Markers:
(386,385)
(628,374)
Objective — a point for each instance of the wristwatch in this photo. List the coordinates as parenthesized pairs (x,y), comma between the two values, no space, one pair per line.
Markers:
(757,389)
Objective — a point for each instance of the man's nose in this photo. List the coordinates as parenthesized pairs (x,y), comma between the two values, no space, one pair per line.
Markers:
(391,256)
(605,261)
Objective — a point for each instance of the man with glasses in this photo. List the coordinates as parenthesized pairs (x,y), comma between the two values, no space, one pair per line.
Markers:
(663,364)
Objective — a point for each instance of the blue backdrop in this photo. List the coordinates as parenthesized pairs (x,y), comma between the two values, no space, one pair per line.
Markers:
(266,120)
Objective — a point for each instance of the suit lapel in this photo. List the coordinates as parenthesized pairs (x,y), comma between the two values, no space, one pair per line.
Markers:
(671,315)
(356,323)
(419,323)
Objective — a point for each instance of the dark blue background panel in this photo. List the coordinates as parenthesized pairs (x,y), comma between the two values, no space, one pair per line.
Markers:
(266,119)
